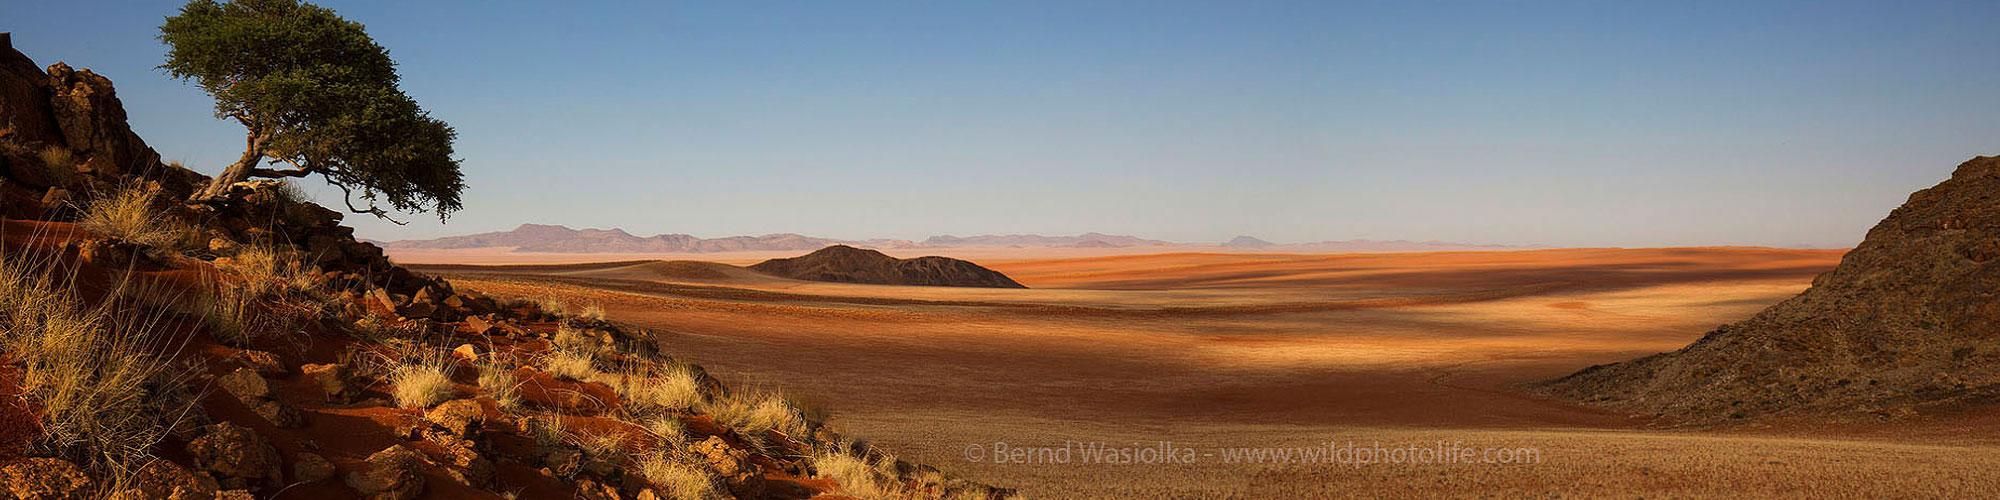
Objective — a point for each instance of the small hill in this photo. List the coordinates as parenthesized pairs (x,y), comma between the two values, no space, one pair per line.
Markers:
(1247,242)
(845,264)
(1909,322)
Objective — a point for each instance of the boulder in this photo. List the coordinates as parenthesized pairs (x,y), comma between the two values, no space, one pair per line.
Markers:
(280,414)
(466,352)
(44,479)
(332,380)
(265,363)
(468,467)
(390,474)
(311,468)
(463,417)
(732,464)
(161,479)
(236,455)
(481,325)
(246,385)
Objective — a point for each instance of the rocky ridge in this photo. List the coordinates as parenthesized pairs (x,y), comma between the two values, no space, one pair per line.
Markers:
(285,356)
(1908,323)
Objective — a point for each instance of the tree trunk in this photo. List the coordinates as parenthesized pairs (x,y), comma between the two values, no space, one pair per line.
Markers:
(237,172)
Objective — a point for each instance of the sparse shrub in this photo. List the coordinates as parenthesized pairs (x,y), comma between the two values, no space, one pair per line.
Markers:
(128,214)
(423,384)
(498,381)
(679,480)
(570,365)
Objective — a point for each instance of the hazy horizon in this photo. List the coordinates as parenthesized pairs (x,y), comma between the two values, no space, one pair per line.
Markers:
(1564,125)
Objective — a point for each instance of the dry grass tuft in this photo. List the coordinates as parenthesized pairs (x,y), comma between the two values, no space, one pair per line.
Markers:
(679,480)
(578,340)
(498,380)
(674,389)
(669,429)
(548,431)
(265,268)
(855,475)
(128,214)
(423,384)
(568,365)
(98,373)
(752,414)
(59,164)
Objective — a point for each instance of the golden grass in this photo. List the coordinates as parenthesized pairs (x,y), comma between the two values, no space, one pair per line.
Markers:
(674,389)
(607,446)
(548,431)
(422,384)
(498,380)
(265,268)
(679,480)
(577,340)
(669,429)
(98,374)
(753,413)
(855,475)
(568,365)
(128,214)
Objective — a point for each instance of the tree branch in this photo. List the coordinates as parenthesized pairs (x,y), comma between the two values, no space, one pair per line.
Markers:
(296,170)
(347,197)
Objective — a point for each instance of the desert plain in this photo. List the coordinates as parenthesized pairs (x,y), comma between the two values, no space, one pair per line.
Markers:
(1239,375)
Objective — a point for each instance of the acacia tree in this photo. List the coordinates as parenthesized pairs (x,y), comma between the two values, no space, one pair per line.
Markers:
(316,95)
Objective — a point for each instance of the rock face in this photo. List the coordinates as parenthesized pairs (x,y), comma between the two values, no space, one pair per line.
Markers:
(1909,321)
(845,264)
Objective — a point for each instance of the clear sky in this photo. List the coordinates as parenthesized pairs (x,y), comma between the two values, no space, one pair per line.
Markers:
(1564,123)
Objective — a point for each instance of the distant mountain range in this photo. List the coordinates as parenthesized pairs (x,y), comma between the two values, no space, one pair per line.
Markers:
(562,239)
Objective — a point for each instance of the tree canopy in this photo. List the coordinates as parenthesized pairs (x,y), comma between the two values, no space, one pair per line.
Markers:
(316,94)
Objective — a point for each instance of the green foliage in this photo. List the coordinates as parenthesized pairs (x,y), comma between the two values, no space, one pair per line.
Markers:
(317,93)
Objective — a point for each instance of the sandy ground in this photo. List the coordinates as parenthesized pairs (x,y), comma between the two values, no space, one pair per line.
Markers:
(1215,365)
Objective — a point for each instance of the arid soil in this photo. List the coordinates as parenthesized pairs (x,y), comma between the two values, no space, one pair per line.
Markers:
(1212,352)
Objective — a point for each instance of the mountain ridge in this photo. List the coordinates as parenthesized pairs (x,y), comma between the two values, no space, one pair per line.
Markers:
(556,238)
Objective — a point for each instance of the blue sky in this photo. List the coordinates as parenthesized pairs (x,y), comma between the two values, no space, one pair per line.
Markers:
(1564,123)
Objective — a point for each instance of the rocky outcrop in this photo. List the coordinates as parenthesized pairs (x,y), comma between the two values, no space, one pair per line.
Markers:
(1909,321)
(845,264)
(44,479)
